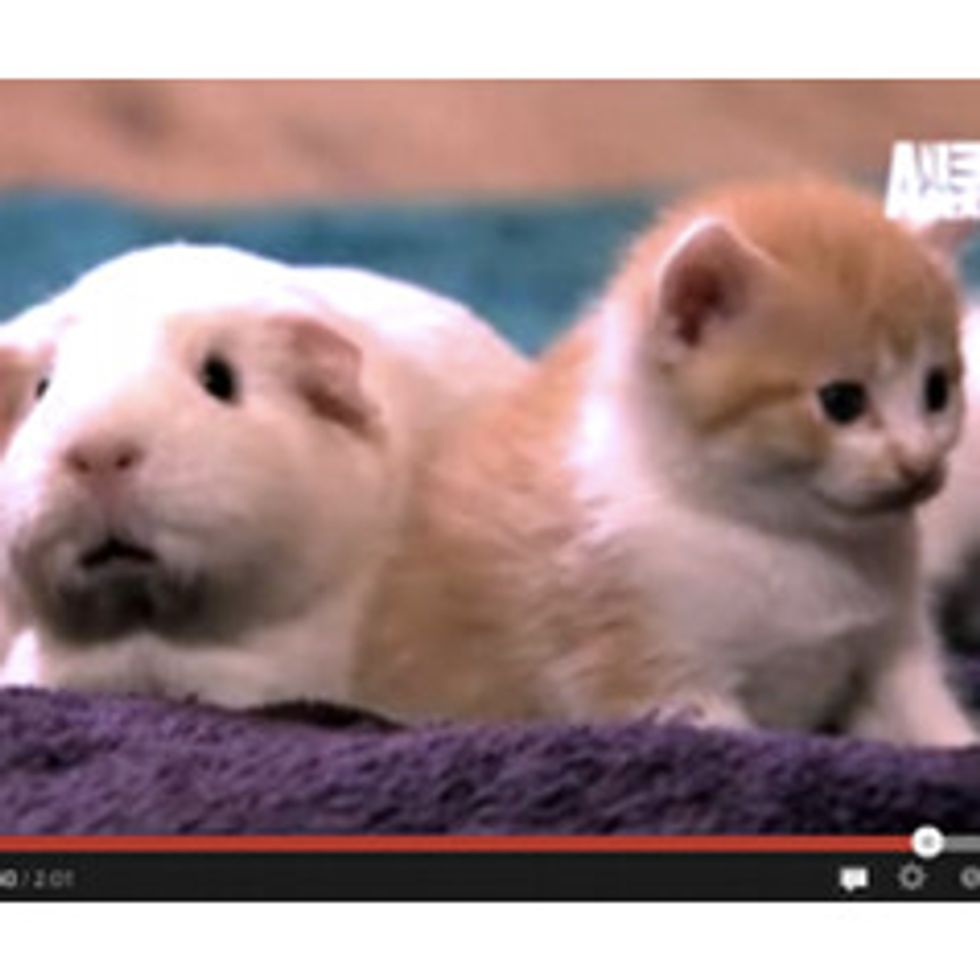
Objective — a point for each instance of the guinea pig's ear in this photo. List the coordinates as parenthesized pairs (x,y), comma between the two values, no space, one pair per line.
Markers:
(327,370)
(706,280)
(18,372)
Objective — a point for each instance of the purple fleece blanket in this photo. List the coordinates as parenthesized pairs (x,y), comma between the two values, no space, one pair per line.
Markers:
(74,763)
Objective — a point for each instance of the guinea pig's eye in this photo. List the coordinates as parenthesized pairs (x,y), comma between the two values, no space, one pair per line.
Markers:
(218,379)
(935,390)
(41,387)
(843,402)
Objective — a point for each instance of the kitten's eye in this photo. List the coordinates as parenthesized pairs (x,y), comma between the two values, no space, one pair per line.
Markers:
(843,401)
(936,390)
(218,379)
(41,387)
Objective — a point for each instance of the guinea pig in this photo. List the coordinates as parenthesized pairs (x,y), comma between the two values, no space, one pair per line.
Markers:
(205,457)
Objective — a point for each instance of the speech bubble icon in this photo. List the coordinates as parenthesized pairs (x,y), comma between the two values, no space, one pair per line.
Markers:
(853,879)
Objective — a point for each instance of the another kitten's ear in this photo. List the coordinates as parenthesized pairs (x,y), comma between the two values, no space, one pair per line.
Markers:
(705,282)
(945,237)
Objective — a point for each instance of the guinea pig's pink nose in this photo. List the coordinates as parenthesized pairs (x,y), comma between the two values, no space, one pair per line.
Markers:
(103,458)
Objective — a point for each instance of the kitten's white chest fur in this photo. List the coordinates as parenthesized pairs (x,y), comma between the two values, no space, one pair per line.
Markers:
(782,625)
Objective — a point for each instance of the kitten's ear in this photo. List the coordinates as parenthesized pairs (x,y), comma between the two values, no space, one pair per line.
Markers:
(945,237)
(327,369)
(706,281)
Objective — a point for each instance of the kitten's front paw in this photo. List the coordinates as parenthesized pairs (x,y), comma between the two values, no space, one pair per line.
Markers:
(945,726)
(960,734)
(702,711)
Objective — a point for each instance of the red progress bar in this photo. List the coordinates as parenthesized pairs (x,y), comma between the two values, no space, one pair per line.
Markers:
(462,843)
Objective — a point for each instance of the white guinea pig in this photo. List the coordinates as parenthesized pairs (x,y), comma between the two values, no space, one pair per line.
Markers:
(205,458)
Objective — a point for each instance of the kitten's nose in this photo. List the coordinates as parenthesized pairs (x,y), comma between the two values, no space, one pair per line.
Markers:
(924,473)
(916,462)
(913,471)
(103,459)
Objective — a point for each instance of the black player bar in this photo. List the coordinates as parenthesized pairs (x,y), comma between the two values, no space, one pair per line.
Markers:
(483,875)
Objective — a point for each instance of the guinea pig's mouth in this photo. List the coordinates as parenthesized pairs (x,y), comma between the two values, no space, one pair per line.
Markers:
(114,552)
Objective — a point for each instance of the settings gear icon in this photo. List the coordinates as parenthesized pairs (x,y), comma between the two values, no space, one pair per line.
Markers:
(912,877)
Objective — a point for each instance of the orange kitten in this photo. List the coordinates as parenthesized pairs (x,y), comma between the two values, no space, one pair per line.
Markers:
(702,498)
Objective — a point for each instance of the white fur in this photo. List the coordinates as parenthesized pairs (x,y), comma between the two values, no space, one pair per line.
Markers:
(440,344)
(291,515)
(274,663)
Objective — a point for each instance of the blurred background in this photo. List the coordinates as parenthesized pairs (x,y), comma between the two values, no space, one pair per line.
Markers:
(234,141)
(516,197)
